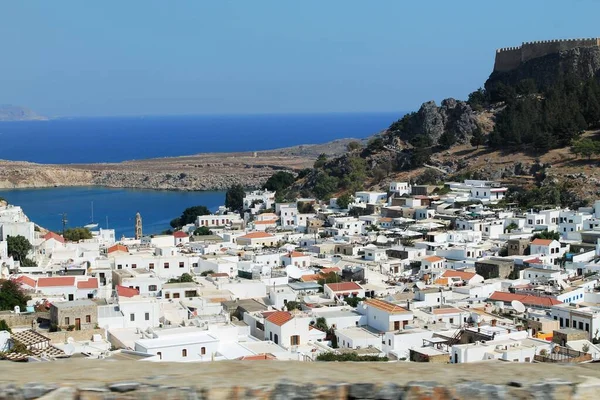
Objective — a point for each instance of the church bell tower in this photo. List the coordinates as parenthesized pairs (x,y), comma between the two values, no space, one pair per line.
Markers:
(138,226)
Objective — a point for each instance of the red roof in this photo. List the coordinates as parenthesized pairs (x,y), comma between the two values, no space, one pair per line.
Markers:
(256,235)
(296,254)
(55,236)
(266,222)
(328,270)
(258,357)
(279,317)
(526,299)
(91,283)
(118,247)
(56,281)
(25,280)
(433,259)
(542,242)
(343,286)
(465,276)
(123,291)
(180,234)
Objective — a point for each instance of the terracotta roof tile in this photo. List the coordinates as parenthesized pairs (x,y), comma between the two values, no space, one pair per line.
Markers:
(450,310)
(343,286)
(91,283)
(279,317)
(118,247)
(465,276)
(180,234)
(386,306)
(433,259)
(56,281)
(542,242)
(296,254)
(526,299)
(55,236)
(256,235)
(123,291)
(25,280)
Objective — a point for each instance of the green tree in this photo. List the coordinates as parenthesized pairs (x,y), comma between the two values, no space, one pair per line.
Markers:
(321,160)
(234,198)
(321,324)
(77,234)
(189,215)
(477,99)
(353,301)
(202,231)
(12,295)
(325,185)
(279,181)
(352,146)
(447,140)
(585,147)
(4,326)
(18,247)
(478,138)
(344,200)
(184,278)
(547,235)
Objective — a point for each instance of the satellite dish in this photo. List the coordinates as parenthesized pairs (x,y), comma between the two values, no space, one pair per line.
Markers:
(69,349)
(420,285)
(518,306)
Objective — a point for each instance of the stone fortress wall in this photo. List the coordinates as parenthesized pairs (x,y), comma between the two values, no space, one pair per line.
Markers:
(509,58)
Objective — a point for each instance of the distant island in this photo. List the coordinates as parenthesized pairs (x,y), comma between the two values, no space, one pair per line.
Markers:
(17,113)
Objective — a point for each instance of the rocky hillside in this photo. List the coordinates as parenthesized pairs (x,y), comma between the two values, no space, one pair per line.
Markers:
(581,64)
(17,113)
(518,130)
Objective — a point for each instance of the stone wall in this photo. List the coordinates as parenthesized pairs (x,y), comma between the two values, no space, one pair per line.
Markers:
(509,58)
(61,337)
(104,379)
(22,320)
(285,390)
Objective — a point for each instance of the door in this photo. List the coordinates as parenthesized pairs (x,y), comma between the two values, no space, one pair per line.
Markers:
(77,324)
(71,298)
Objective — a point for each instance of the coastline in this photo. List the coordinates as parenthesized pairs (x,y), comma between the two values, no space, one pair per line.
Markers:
(201,172)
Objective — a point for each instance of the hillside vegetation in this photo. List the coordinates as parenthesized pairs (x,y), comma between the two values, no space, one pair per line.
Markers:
(532,128)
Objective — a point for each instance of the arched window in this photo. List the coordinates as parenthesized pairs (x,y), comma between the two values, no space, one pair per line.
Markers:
(184,353)
(203,351)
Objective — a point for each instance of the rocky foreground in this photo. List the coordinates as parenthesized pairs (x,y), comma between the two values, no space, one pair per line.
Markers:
(103,379)
(213,171)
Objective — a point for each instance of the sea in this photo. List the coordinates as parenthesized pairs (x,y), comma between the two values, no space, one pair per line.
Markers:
(112,139)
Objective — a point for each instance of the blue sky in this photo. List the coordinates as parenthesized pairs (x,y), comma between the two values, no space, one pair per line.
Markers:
(80,58)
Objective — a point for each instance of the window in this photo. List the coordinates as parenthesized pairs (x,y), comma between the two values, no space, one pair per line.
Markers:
(133,265)
(184,353)
(451,320)
(159,354)
(119,266)
(167,295)
(175,295)
(132,317)
(67,321)
(151,266)
(147,316)
(181,264)
(203,351)
(88,319)
(152,288)
(295,340)
(527,359)
(166,265)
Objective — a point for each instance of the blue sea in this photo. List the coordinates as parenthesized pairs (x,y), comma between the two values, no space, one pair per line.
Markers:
(92,140)
(87,140)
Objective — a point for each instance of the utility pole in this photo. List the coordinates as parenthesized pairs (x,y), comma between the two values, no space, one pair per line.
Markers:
(64,223)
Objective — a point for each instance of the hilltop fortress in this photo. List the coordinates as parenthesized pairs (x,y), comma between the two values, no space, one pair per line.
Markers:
(509,58)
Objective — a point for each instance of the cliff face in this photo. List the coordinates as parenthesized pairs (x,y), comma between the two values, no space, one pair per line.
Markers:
(581,63)
(454,117)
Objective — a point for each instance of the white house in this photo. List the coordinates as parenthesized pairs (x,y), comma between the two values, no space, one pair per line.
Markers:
(550,251)
(400,188)
(287,329)
(295,258)
(385,316)
(343,289)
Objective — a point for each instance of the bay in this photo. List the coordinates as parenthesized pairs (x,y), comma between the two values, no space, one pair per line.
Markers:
(157,207)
